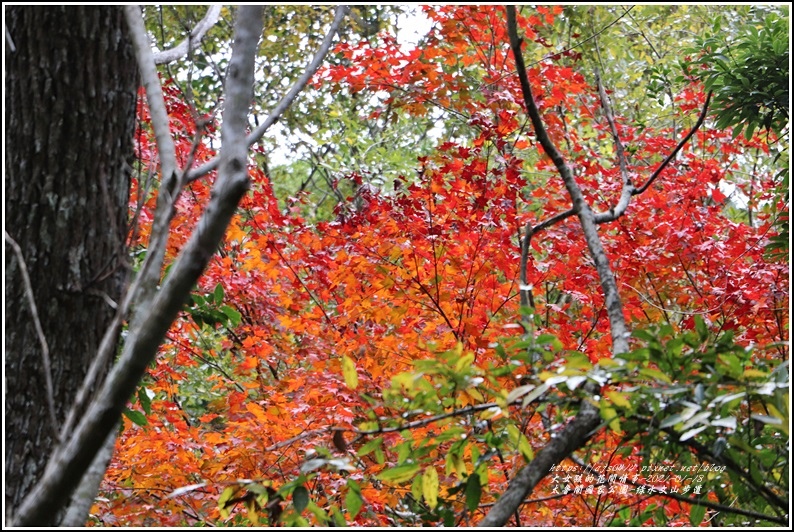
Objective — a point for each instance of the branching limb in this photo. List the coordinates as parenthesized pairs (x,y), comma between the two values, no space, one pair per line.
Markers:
(70,461)
(614,306)
(180,50)
(46,365)
(288,98)
(578,431)
(529,232)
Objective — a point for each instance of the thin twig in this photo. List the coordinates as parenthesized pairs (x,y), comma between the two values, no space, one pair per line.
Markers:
(45,349)
(628,186)
(428,420)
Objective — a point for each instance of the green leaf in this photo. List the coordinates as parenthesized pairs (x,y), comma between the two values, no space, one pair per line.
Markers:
(234,316)
(521,442)
(416,487)
(353,499)
(225,497)
(655,374)
(399,474)
(218,294)
(473,492)
(300,498)
(144,400)
(696,514)
(349,372)
(700,327)
(370,446)
(336,515)
(136,417)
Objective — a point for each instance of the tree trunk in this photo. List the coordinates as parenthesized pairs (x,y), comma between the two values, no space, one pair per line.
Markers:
(70,114)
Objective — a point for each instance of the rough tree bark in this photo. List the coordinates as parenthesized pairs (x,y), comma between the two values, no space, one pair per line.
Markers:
(70,111)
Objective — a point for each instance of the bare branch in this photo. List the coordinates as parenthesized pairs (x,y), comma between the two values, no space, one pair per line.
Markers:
(69,462)
(579,430)
(614,306)
(526,298)
(77,513)
(168,191)
(204,25)
(288,98)
(628,187)
(678,147)
(45,349)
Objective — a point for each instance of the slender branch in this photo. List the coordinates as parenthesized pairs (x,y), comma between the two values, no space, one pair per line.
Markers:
(169,170)
(203,26)
(628,187)
(428,420)
(76,514)
(68,464)
(288,98)
(46,364)
(678,147)
(526,294)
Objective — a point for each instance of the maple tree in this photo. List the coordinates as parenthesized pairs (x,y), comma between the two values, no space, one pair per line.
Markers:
(550,316)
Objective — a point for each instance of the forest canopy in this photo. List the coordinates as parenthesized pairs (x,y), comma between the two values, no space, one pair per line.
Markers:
(528,268)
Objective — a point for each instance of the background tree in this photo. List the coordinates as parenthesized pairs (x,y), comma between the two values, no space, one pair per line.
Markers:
(70,109)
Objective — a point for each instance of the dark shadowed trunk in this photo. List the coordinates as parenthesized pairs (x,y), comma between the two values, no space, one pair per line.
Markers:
(70,109)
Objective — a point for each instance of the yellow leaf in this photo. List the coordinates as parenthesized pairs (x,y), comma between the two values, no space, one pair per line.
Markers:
(430,486)
(618,399)
(610,415)
(349,372)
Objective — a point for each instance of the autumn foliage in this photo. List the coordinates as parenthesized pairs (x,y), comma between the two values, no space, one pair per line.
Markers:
(357,369)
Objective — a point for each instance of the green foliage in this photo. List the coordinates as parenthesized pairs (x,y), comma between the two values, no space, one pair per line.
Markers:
(749,77)
(208,309)
(703,399)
